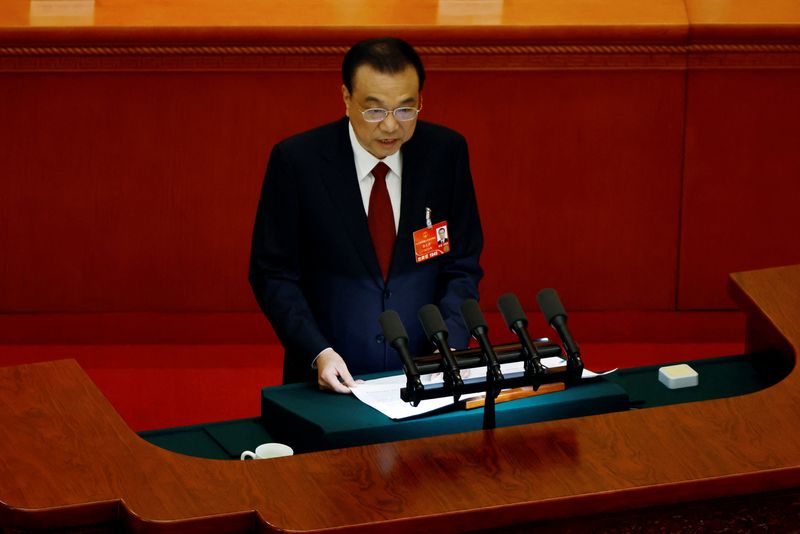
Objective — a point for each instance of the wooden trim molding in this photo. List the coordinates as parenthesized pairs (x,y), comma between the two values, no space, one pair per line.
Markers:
(427,50)
(169,50)
(266,58)
(257,58)
(299,58)
(752,56)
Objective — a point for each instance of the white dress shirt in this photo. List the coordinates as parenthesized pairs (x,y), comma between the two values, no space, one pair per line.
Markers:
(365,162)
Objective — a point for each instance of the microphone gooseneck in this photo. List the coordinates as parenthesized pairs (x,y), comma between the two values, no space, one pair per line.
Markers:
(436,331)
(395,334)
(476,324)
(556,316)
(517,322)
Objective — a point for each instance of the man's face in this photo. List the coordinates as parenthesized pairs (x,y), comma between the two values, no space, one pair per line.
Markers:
(373,89)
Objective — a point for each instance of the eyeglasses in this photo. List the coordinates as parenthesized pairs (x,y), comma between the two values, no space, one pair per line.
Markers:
(403,114)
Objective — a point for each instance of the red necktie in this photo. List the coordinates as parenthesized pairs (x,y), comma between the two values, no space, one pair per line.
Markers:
(381,218)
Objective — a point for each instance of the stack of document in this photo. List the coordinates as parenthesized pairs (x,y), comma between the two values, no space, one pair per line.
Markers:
(383,394)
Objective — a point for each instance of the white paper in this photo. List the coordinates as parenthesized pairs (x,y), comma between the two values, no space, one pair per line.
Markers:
(383,394)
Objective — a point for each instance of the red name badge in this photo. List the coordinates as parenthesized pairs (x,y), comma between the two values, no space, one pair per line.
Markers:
(431,242)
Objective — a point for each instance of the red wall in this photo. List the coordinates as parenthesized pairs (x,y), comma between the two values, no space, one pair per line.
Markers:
(742,179)
(137,192)
(627,180)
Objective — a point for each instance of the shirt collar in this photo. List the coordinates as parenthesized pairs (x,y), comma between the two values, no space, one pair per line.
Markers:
(365,161)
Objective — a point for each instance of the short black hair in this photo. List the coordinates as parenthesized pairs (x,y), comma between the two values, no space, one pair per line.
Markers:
(384,54)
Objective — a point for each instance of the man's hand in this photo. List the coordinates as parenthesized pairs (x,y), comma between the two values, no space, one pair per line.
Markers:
(332,373)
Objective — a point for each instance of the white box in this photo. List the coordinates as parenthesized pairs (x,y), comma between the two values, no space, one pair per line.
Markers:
(678,376)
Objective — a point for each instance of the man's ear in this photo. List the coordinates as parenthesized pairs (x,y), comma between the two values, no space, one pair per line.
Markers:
(346,98)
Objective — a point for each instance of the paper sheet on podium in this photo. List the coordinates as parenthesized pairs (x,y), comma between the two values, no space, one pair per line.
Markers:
(383,394)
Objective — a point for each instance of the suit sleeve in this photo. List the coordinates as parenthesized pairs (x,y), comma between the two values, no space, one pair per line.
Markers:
(275,261)
(462,271)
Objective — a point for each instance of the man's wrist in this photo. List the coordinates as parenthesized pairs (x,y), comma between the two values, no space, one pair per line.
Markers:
(314,361)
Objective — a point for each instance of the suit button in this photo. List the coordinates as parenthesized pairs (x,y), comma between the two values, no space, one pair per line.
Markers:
(379,338)
(387,294)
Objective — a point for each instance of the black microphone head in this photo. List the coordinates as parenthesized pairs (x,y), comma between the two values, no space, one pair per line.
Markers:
(550,304)
(473,317)
(511,310)
(431,319)
(392,326)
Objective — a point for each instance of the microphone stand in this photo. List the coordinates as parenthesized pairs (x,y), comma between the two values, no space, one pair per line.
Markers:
(476,324)
(474,358)
(489,421)
(488,356)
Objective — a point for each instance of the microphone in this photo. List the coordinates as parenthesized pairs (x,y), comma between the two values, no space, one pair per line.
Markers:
(476,324)
(436,331)
(514,316)
(556,316)
(395,333)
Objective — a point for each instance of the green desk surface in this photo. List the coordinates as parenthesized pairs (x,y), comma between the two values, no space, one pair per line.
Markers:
(308,419)
(717,378)
(219,441)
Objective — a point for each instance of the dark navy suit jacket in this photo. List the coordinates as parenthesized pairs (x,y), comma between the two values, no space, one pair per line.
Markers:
(313,268)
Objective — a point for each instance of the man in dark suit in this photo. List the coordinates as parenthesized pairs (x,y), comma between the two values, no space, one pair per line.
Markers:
(334,241)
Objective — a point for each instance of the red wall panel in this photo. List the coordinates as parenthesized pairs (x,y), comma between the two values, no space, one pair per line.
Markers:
(742,179)
(136,191)
(630,166)
(578,180)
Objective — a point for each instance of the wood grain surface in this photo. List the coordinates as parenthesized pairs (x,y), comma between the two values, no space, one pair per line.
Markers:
(333,13)
(135,142)
(69,459)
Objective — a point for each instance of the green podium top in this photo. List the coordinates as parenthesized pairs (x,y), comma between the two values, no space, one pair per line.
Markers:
(310,420)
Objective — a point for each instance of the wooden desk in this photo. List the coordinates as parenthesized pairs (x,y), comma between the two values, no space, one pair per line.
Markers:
(67,459)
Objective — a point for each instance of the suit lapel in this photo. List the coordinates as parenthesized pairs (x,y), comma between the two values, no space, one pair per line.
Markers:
(341,182)
(412,204)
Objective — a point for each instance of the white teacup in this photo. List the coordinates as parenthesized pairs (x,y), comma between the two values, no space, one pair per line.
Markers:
(268,450)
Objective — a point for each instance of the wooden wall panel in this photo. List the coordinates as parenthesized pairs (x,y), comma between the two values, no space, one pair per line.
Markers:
(742,179)
(135,144)
(136,191)
(578,189)
(742,160)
